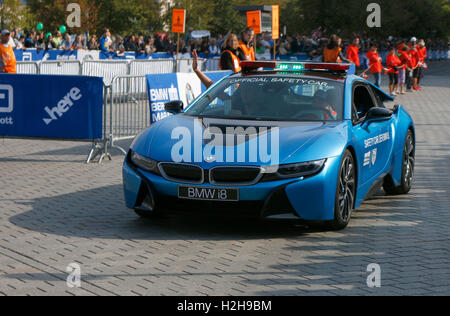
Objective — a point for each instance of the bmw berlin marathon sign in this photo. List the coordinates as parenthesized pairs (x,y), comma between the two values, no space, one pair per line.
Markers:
(163,88)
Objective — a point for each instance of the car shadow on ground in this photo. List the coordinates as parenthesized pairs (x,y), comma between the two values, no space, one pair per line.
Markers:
(101,213)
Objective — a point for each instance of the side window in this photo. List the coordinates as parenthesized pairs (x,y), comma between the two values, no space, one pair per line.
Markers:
(377,98)
(362,101)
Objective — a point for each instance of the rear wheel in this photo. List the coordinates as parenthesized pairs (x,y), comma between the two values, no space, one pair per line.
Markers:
(345,192)
(407,170)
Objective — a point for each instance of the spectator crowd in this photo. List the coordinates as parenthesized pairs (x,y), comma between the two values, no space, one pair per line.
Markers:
(312,45)
(405,61)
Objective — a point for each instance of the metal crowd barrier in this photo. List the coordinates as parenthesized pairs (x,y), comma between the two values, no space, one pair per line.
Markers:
(108,69)
(185,65)
(27,68)
(213,64)
(67,67)
(156,66)
(126,113)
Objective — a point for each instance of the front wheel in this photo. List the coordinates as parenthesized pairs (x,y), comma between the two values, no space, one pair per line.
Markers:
(345,192)
(148,209)
(407,170)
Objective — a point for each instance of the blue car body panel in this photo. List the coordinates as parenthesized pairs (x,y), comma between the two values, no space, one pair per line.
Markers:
(377,148)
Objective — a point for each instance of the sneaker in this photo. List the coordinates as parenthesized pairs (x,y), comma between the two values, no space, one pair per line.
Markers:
(394,94)
(416,89)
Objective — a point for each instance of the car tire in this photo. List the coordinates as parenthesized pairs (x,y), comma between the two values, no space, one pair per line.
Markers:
(407,170)
(148,209)
(345,192)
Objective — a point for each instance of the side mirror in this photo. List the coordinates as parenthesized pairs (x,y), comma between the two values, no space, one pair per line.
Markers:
(378,114)
(174,107)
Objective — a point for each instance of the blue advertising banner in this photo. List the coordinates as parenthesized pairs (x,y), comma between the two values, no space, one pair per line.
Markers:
(37,55)
(56,107)
(133,55)
(163,88)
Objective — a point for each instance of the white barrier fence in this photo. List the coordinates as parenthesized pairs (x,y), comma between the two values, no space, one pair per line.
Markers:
(27,67)
(108,69)
(72,67)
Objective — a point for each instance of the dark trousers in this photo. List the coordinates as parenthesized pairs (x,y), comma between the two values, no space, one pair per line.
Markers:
(409,79)
(377,81)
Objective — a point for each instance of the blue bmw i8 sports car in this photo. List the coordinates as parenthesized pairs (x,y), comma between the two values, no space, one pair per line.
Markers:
(306,141)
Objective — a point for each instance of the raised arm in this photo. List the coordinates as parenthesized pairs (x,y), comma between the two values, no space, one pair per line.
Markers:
(203,78)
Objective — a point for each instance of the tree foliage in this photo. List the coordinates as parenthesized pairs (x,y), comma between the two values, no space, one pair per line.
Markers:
(422,18)
(14,13)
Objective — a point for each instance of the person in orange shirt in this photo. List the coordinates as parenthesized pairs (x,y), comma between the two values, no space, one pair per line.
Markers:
(375,64)
(422,52)
(8,58)
(353,52)
(404,58)
(414,68)
(246,44)
(393,62)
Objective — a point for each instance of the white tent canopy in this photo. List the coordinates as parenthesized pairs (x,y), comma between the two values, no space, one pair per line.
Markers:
(200,34)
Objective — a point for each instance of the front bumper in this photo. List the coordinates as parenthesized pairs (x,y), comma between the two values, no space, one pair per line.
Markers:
(304,198)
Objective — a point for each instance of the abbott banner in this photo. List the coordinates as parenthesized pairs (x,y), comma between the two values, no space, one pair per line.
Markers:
(56,107)
(163,88)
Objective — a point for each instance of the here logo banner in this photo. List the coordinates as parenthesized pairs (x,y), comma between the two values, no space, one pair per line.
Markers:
(51,107)
(63,105)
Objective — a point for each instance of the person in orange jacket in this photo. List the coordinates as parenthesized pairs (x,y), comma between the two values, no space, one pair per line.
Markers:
(231,56)
(246,44)
(375,66)
(332,53)
(8,58)
(393,63)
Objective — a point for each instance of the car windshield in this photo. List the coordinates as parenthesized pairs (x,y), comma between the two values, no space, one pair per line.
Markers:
(272,98)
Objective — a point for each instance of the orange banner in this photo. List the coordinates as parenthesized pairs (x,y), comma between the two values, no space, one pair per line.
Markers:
(275,22)
(254,21)
(178,21)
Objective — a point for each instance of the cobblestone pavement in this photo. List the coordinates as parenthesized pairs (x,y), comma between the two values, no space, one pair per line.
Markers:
(55,210)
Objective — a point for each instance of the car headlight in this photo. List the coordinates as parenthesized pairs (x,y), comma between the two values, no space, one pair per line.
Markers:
(144,163)
(296,170)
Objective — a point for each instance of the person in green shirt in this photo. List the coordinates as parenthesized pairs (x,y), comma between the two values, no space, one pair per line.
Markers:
(57,40)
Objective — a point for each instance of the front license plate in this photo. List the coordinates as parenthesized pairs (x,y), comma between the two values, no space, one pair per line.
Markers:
(208,194)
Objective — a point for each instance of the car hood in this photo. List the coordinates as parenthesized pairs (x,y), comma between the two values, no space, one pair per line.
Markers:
(172,138)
